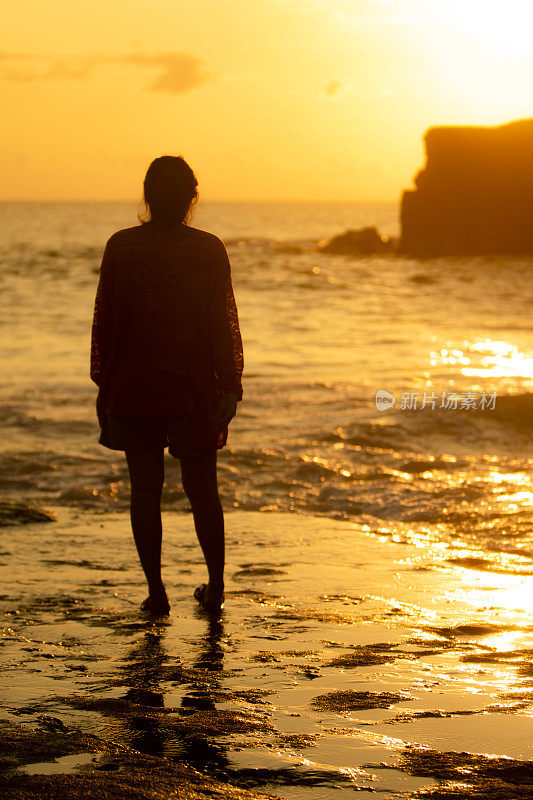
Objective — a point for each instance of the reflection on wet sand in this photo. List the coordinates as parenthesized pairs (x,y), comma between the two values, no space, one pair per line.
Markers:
(145,669)
(342,660)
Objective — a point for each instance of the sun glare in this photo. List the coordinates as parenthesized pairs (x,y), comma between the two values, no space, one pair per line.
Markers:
(503,26)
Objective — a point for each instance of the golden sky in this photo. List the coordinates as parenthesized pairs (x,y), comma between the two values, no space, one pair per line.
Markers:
(266,99)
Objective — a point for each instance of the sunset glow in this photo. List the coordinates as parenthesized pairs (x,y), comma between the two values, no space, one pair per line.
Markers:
(504,26)
(331,104)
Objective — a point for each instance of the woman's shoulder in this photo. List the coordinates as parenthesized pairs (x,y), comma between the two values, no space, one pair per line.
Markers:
(137,238)
(206,244)
(205,237)
(128,240)
(121,236)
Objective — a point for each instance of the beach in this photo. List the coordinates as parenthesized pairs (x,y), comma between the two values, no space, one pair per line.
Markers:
(344,660)
(300,232)
(376,635)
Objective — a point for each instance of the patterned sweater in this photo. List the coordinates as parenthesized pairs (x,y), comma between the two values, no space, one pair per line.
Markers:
(165,333)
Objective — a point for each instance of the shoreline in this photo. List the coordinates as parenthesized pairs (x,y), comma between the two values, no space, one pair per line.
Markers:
(343,660)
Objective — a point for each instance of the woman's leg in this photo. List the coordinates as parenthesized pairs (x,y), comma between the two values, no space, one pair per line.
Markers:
(147,473)
(199,480)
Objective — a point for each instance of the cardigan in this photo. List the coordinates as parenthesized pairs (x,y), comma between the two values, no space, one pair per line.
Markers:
(165,334)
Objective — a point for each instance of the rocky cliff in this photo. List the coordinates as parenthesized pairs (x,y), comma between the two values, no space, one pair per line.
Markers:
(475,194)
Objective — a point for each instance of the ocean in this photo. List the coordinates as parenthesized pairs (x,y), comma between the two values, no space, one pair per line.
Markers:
(376,635)
(322,335)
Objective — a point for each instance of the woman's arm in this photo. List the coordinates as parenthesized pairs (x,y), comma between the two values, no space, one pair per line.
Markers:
(225,334)
(102,327)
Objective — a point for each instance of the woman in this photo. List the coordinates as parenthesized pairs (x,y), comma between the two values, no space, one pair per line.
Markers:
(166,354)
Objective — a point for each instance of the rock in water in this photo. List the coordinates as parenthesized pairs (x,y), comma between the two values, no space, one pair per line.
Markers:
(475,194)
(365,241)
(13,513)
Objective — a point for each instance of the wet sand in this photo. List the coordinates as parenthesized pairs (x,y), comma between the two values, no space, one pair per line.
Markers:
(345,659)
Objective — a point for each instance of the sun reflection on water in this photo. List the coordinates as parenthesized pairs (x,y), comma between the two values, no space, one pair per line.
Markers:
(516,500)
(488,358)
(519,478)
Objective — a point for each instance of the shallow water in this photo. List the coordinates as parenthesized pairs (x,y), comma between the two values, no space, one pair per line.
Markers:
(337,653)
(322,335)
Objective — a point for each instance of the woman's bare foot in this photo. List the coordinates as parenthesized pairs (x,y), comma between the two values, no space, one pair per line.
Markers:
(157,603)
(158,610)
(210,599)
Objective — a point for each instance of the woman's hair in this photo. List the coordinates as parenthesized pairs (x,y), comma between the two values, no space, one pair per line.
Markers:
(170,191)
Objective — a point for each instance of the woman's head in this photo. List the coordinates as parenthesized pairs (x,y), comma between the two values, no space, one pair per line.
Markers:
(170,190)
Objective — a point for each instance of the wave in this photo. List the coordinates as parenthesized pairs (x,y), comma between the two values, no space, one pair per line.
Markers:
(442,473)
(504,427)
(26,257)
(513,410)
(395,493)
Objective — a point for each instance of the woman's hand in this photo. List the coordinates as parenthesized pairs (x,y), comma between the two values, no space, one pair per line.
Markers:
(225,412)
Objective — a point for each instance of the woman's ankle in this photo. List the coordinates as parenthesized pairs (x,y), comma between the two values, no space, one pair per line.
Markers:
(215,588)
(157,589)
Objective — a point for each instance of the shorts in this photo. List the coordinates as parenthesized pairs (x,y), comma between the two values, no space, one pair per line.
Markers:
(140,434)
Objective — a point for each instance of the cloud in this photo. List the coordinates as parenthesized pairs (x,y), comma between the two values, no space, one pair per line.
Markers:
(26,68)
(181,72)
(178,72)
(333,89)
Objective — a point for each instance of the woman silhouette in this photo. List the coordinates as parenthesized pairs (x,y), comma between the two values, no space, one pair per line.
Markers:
(166,354)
